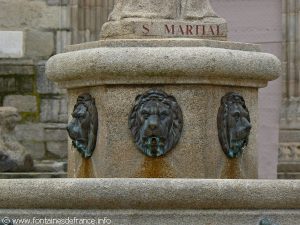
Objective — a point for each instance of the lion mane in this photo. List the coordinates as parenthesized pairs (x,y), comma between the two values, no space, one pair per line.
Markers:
(89,103)
(222,123)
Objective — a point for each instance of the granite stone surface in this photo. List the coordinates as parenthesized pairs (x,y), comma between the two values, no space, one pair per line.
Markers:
(165,65)
(198,153)
(198,73)
(197,76)
(167,42)
(158,217)
(152,201)
(150,194)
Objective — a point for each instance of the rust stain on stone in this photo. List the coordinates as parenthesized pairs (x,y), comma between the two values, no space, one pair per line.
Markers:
(231,170)
(85,169)
(155,168)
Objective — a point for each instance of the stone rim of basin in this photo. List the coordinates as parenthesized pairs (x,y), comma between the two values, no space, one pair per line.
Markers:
(130,194)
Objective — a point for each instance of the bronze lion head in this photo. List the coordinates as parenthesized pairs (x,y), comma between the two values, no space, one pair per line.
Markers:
(233,124)
(156,122)
(84,126)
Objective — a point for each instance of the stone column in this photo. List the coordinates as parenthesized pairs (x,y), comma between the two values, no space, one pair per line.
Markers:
(87,18)
(289,160)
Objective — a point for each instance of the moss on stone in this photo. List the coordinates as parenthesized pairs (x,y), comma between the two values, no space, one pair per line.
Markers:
(29,117)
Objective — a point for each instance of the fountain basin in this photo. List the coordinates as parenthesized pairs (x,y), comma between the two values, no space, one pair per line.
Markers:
(145,201)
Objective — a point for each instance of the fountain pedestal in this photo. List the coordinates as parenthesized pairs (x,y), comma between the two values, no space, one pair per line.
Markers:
(193,66)
(196,72)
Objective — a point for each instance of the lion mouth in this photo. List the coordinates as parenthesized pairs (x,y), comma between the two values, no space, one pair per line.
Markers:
(236,146)
(237,143)
(154,145)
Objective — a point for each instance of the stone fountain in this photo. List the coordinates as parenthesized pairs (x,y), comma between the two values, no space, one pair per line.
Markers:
(161,95)
(172,46)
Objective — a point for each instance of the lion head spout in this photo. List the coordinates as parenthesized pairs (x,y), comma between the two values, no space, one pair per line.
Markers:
(233,124)
(84,125)
(155,122)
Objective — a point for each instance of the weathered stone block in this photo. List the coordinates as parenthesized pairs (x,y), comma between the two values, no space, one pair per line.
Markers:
(30,132)
(61,22)
(54,126)
(16,67)
(39,44)
(57,17)
(63,38)
(56,134)
(289,136)
(24,103)
(36,149)
(58,2)
(50,166)
(45,86)
(49,110)
(32,14)
(11,44)
(10,84)
(290,176)
(25,84)
(7,84)
(54,110)
(59,149)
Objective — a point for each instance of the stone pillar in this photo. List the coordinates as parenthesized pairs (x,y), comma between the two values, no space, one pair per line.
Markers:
(289,160)
(87,18)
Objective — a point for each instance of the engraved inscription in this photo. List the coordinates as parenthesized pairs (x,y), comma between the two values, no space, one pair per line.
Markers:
(188,30)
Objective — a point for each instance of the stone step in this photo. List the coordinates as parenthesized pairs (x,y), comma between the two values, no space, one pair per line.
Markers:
(32,175)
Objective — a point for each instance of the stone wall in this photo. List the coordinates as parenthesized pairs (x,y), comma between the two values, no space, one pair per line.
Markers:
(30,32)
(289,151)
